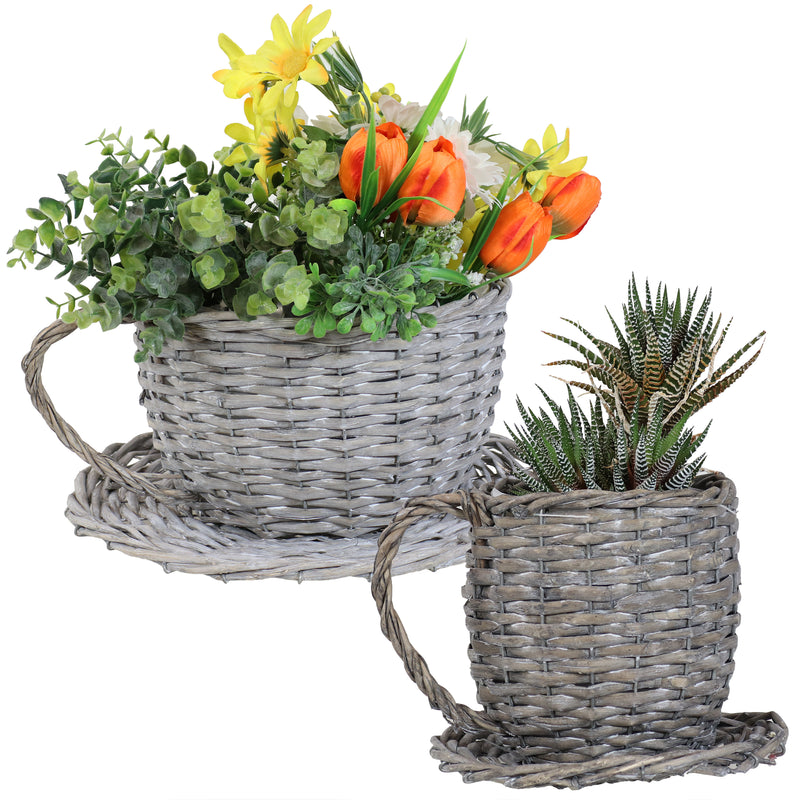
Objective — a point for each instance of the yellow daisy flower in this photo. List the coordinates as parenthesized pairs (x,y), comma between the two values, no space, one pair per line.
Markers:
(269,135)
(285,59)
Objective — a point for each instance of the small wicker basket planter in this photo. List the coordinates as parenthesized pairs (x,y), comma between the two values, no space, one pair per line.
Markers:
(271,435)
(602,633)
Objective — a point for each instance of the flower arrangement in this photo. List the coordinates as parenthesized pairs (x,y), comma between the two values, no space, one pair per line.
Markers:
(646,387)
(363,219)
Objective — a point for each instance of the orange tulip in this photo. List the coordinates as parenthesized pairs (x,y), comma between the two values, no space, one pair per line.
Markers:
(439,174)
(571,201)
(521,231)
(391,153)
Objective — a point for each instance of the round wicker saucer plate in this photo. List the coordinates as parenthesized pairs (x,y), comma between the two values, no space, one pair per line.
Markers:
(146,528)
(743,742)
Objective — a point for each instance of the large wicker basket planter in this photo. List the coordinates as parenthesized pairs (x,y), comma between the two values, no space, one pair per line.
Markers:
(602,634)
(259,434)
(289,435)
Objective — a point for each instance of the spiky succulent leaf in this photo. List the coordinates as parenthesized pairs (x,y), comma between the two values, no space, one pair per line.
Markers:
(564,448)
(720,371)
(684,477)
(666,351)
(636,346)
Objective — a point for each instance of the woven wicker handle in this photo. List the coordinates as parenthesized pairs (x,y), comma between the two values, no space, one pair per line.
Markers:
(461,504)
(32,365)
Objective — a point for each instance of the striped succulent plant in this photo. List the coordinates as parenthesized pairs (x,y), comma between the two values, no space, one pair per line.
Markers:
(665,358)
(572,450)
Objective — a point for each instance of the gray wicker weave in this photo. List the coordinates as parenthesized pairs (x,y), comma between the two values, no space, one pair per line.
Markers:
(138,525)
(602,632)
(288,435)
(743,741)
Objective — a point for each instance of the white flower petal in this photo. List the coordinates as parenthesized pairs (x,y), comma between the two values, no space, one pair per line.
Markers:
(329,124)
(406,115)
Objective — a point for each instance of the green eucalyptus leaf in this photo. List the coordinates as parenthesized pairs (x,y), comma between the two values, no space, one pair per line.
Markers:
(105,222)
(186,156)
(25,239)
(214,269)
(47,233)
(260,303)
(197,172)
(255,263)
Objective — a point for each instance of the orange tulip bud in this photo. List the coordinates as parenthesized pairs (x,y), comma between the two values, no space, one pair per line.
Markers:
(439,174)
(521,231)
(571,201)
(391,153)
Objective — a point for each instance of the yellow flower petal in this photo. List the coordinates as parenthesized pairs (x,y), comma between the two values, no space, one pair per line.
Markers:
(237,155)
(270,50)
(561,152)
(569,167)
(237,83)
(241,133)
(255,64)
(229,47)
(249,113)
(532,148)
(312,29)
(323,44)
(314,73)
(290,96)
(550,139)
(280,33)
(272,99)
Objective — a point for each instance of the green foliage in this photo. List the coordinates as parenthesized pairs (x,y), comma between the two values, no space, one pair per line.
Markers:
(204,222)
(477,123)
(323,226)
(319,168)
(157,248)
(375,287)
(571,450)
(270,282)
(665,357)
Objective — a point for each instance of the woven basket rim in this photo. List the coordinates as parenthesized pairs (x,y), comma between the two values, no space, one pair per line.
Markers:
(496,292)
(743,741)
(710,488)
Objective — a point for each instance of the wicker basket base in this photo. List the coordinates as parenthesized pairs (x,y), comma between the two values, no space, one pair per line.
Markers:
(743,741)
(146,528)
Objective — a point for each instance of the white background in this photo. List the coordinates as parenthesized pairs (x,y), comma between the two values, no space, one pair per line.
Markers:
(121,682)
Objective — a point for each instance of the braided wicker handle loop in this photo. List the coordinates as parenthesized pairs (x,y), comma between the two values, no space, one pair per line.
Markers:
(32,365)
(465,505)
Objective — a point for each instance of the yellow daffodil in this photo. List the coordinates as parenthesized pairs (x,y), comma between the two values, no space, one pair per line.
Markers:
(284,60)
(554,152)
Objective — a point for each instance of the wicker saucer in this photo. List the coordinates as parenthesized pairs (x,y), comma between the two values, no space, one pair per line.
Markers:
(743,741)
(146,528)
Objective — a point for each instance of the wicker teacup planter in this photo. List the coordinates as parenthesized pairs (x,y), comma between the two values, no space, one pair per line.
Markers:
(602,633)
(268,434)
(285,434)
